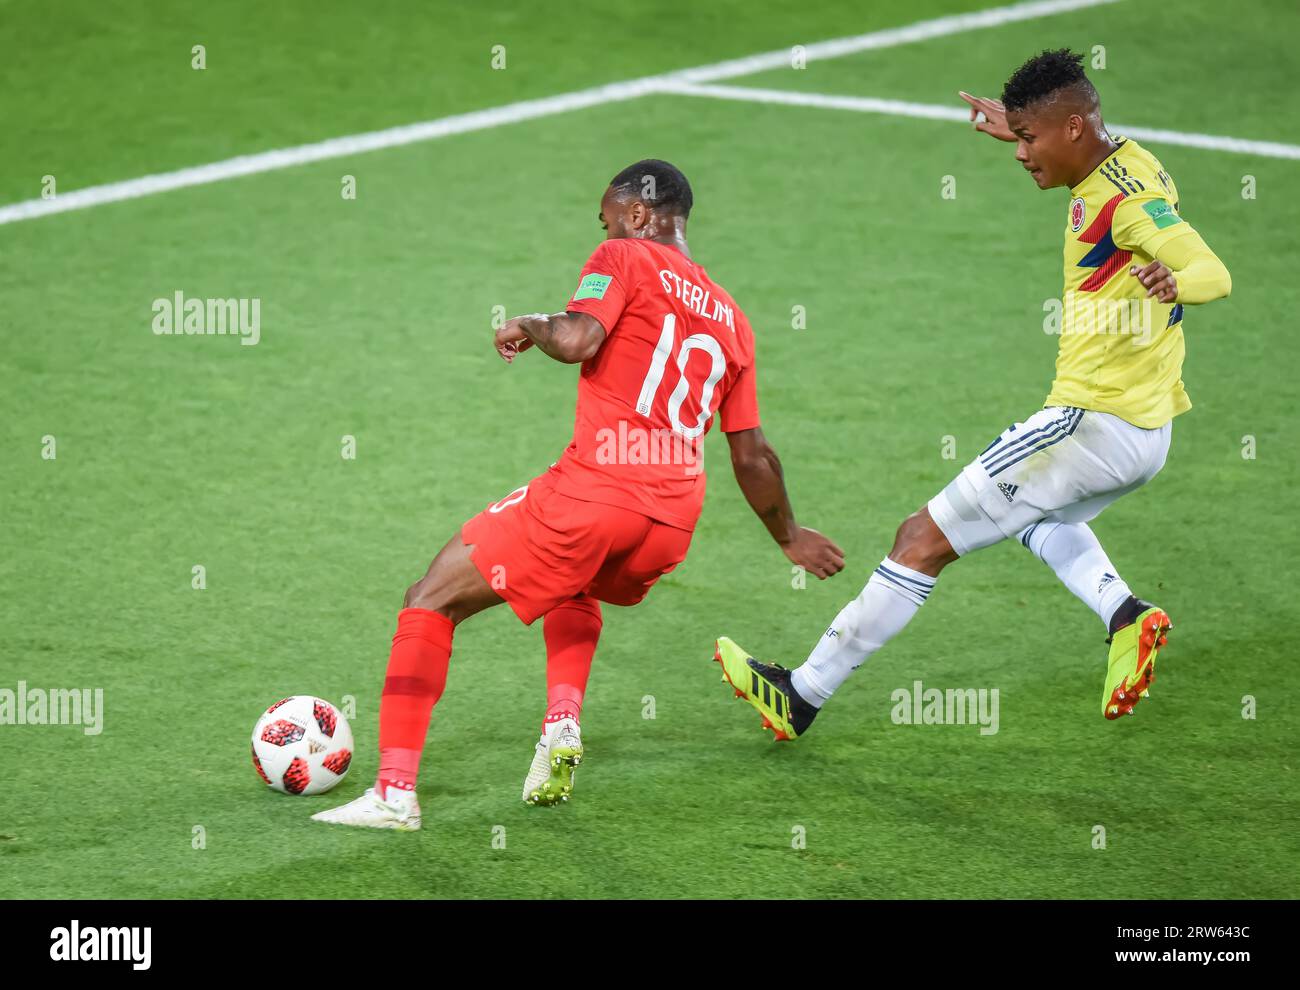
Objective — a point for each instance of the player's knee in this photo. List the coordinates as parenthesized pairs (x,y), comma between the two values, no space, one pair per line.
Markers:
(414,597)
(426,593)
(921,545)
(584,603)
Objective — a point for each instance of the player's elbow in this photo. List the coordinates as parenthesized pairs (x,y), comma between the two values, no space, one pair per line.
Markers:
(754,459)
(579,340)
(1220,287)
(579,348)
(1220,279)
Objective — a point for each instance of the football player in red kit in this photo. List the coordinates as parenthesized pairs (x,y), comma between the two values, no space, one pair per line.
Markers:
(663,348)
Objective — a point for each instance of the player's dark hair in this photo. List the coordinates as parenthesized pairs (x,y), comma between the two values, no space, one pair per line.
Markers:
(1047,73)
(658,183)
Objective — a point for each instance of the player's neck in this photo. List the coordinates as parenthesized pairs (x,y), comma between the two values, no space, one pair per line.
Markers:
(670,231)
(674,239)
(1102,147)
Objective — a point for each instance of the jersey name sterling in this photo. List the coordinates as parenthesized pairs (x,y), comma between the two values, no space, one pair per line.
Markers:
(697,298)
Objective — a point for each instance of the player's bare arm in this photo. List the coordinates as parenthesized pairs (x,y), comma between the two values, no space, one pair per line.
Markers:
(758,472)
(570,338)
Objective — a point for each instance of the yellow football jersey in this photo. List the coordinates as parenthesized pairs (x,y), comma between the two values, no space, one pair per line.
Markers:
(1121,352)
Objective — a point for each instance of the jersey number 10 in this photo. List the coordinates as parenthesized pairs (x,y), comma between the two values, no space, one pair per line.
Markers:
(655,375)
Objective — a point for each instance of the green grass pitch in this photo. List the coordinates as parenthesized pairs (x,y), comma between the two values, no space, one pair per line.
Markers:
(923,322)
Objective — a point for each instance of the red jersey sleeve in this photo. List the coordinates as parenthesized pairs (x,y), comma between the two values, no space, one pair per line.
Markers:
(739,408)
(604,286)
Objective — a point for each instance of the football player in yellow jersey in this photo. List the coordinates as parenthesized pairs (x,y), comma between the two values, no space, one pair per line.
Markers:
(1132,265)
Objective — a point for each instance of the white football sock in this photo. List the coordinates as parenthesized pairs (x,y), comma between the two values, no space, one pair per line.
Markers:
(887,603)
(1072,551)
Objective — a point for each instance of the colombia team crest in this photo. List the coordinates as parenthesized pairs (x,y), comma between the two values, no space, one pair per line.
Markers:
(1077,212)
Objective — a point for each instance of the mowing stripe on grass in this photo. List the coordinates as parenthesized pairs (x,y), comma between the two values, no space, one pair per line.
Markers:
(393,137)
(934,111)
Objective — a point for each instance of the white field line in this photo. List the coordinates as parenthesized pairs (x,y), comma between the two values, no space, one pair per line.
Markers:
(933,111)
(393,137)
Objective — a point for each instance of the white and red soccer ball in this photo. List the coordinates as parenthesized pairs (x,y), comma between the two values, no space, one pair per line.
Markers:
(302,745)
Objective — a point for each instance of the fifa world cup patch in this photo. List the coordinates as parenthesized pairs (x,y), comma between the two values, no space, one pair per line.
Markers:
(1161,213)
(593,286)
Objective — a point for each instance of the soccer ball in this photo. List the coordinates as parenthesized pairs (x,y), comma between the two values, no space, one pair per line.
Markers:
(302,745)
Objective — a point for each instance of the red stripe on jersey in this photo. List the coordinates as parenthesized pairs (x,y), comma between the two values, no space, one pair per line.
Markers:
(1098,228)
(1103,274)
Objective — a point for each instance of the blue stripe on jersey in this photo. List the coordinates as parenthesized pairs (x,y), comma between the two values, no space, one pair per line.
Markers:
(1118,174)
(1131,180)
(1114,182)
(1100,252)
(1067,430)
(1175,315)
(1010,444)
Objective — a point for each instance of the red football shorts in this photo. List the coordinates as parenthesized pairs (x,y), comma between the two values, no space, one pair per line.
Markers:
(537,548)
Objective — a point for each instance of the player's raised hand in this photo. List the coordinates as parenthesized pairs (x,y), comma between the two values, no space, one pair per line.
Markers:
(510,339)
(994,116)
(815,553)
(1158,279)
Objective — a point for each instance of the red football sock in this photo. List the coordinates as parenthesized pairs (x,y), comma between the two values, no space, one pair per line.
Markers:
(417,674)
(571,630)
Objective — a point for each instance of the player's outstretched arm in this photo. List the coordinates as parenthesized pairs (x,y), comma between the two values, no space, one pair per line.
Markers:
(758,472)
(990,116)
(568,337)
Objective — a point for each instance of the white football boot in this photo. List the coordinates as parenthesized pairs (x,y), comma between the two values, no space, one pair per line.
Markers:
(400,811)
(555,760)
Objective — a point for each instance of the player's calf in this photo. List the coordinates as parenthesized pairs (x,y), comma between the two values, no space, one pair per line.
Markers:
(450,592)
(897,588)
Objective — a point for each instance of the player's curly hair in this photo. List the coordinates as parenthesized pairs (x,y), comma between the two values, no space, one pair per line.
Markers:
(658,183)
(1044,74)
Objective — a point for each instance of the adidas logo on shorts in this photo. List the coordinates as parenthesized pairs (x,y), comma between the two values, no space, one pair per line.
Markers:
(1008,491)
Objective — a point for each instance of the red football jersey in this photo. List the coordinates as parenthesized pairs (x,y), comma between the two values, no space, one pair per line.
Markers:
(677,350)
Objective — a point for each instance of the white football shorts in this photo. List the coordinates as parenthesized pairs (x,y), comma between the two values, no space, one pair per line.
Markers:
(1063,464)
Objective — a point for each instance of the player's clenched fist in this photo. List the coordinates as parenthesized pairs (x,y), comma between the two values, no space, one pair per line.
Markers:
(511,339)
(1158,280)
(815,553)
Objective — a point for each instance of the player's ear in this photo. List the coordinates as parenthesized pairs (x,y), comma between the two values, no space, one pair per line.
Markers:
(1074,126)
(638,216)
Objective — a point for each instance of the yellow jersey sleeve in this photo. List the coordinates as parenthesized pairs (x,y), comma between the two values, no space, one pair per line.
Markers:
(1150,227)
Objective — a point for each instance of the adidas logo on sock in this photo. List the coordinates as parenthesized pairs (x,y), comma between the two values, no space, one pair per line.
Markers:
(1008,491)
(1106,579)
